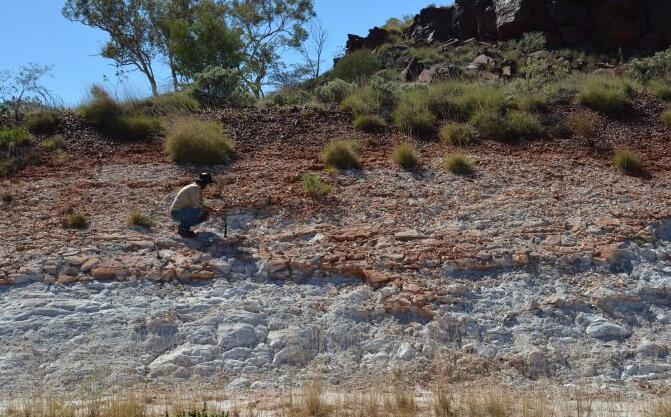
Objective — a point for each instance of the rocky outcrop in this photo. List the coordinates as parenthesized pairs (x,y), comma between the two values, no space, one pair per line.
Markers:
(376,37)
(605,25)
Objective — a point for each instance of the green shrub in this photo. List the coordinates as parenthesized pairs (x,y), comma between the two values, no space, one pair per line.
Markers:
(457,134)
(14,138)
(666,118)
(660,89)
(137,218)
(198,142)
(406,156)
(627,160)
(53,143)
(458,163)
(656,67)
(606,95)
(514,125)
(137,127)
(523,125)
(341,154)
(363,101)
(43,121)
(357,66)
(369,123)
(427,54)
(491,124)
(217,86)
(314,187)
(334,91)
(583,124)
(387,93)
(106,114)
(531,104)
(458,101)
(412,115)
(76,221)
(290,97)
(101,110)
(204,412)
(377,97)
(168,104)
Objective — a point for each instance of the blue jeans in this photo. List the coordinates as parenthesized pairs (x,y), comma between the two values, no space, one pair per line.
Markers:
(187,218)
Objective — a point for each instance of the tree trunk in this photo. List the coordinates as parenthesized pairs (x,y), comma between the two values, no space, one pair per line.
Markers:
(173,72)
(154,87)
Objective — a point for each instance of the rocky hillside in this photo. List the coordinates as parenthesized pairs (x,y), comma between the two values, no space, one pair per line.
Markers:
(594,24)
(435,208)
(546,264)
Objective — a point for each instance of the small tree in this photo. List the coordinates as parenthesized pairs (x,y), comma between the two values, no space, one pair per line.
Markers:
(312,50)
(135,36)
(268,27)
(25,86)
(205,41)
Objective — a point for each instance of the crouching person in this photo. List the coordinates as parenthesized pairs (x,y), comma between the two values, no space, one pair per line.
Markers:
(188,210)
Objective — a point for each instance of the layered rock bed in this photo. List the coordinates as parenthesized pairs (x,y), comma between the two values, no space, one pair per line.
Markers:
(546,264)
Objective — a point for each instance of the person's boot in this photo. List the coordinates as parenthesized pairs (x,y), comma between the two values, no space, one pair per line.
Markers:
(186,233)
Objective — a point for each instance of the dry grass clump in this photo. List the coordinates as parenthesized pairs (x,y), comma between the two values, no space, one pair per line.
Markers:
(459,101)
(369,123)
(660,408)
(666,118)
(314,186)
(443,402)
(406,156)
(357,66)
(361,102)
(412,115)
(199,142)
(628,161)
(53,143)
(491,124)
(334,91)
(341,154)
(6,197)
(108,116)
(14,138)
(457,134)
(401,403)
(43,121)
(660,89)
(514,125)
(583,125)
(523,125)
(76,220)
(606,95)
(458,163)
(139,219)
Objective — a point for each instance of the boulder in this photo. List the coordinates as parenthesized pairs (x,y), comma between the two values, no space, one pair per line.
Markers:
(439,72)
(433,24)
(376,38)
(413,70)
(607,331)
(109,270)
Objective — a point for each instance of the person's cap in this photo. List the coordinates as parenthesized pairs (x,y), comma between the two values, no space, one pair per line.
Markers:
(205,178)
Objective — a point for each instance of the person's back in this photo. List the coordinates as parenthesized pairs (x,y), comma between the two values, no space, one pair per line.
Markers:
(190,196)
(187,209)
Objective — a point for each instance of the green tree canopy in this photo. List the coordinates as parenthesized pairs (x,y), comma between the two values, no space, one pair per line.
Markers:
(135,38)
(204,41)
(268,27)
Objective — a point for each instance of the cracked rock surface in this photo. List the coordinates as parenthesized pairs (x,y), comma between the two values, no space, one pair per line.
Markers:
(547,264)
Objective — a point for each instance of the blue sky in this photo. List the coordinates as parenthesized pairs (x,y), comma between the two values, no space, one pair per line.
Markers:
(35,31)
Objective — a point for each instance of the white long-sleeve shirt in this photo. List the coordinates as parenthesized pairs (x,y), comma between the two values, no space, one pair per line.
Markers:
(190,196)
